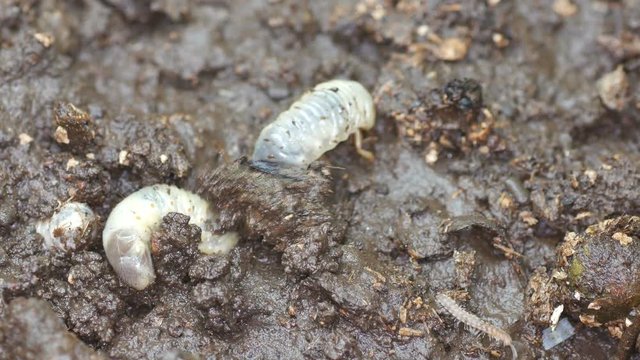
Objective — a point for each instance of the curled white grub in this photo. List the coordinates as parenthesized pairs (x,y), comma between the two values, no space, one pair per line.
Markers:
(127,234)
(315,124)
(68,226)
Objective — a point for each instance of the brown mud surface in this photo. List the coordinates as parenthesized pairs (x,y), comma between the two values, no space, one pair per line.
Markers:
(506,173)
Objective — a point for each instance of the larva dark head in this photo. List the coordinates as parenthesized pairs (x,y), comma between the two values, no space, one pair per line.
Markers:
(267,167)
(271,168)
(271,149)
(130,257)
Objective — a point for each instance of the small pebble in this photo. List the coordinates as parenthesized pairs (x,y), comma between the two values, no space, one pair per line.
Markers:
(563,331)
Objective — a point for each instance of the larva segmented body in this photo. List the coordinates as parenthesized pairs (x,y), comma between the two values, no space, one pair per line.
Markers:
(67,227)
(475,322)
(127,233)
(315,124)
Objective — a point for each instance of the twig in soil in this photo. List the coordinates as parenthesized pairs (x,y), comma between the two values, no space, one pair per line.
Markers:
(508,251)
(475,322)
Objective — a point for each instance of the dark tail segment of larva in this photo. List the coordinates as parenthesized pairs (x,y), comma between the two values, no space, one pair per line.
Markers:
(475,322)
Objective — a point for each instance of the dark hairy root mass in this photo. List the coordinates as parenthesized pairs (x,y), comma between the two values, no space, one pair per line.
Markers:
(291,210)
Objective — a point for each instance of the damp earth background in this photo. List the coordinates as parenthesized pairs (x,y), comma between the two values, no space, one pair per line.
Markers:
(472,188)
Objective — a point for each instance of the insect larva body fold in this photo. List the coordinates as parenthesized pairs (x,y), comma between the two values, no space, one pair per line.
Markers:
(127,233)
(68,228)
(316,123)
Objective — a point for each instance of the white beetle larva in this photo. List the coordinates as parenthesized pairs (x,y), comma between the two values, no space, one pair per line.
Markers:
(315,124)
(68,226)
(127,234)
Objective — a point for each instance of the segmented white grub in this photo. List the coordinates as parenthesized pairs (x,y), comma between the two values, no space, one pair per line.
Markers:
(315,124)
(67,226)
(475,322)
(127,233)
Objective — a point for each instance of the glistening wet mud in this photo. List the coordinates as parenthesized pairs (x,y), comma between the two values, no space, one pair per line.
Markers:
(496,147)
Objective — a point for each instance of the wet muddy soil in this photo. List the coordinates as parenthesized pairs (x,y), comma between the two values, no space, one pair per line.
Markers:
(506,175)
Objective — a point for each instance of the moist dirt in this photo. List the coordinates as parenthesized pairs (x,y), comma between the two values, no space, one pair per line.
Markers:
(506,175)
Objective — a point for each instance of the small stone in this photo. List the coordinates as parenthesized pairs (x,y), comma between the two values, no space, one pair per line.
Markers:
(122,158)
(505,201)
(61,135)
(554,336)
(423,30)
(500,40)
(452,49)
(564,8)
(276,21)
(72,163)
(591,175)
(623,238)
(378,13)
(163,158)
(528,218)
(431,157)
(24,139)
(612,88)
(45,39)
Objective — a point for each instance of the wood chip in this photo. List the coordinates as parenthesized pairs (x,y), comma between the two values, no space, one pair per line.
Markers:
(410,332)
(403,314)
(584,215)
(508,252)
